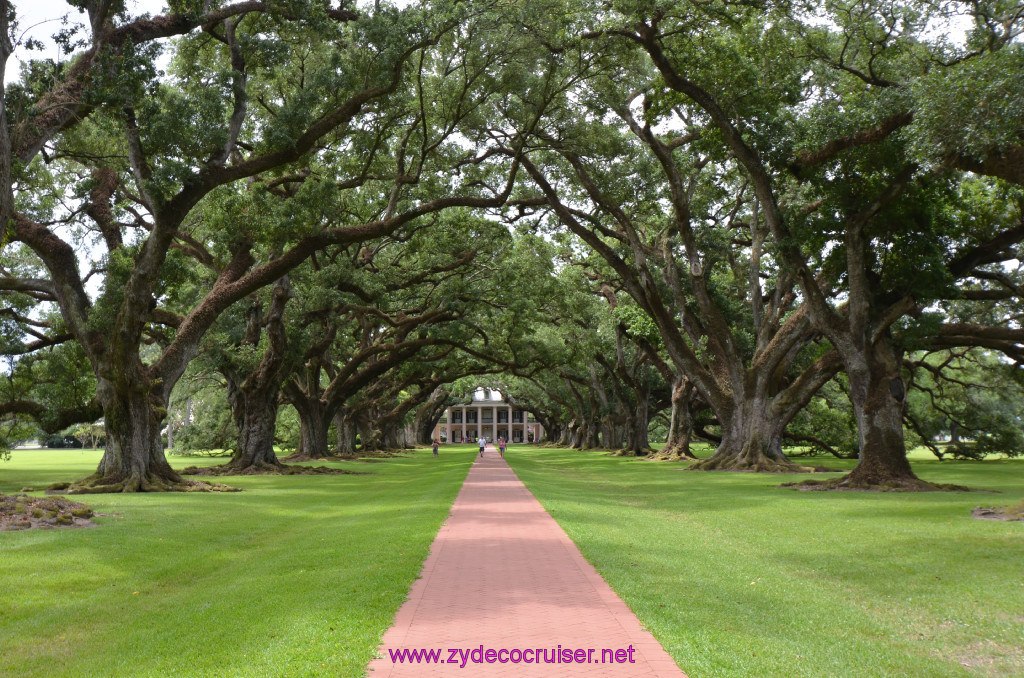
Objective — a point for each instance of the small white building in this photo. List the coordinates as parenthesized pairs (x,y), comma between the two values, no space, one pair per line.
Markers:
(490,415)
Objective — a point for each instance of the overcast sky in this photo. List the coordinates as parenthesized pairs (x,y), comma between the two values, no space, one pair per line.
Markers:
(40,19)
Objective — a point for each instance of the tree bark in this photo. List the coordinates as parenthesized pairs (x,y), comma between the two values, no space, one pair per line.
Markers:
(429,414)
(255,414)
(371,436)
(314,421)
(254,399)
(636,442)
(589,439)
(133,459)
(345,446)
(680,428)
(751,440)
(392,437)
(612,435)
(134,455)
(878,395)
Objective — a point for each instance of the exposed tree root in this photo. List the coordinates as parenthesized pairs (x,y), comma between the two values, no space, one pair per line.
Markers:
(759,464)
(306,457)
(265,469)
(22,512)
(853,484)
(359,455)
(384,454)
(97,484)
(346,457)
(626,452)
(675,453)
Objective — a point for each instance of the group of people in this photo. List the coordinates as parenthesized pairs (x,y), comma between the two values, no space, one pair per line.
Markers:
(482,441)
(502,444)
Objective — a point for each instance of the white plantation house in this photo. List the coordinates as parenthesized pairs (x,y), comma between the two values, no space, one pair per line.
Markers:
(488,414)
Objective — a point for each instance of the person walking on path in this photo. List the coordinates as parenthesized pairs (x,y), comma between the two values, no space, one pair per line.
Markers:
(501,447)
(436,443)
(483,443)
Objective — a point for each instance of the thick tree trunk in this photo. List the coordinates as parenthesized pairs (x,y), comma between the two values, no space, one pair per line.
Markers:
(636,442)
(255,414)
(751,441)
(878,395)
(297,454)
(611,434)
(345,445)
(573,437)
(370,433)
(134,456)
(680,428)
(254,393)
(429,414)
(314,422)
(552,429)
(391,436)
(589,438)
(423,429)
(133,460)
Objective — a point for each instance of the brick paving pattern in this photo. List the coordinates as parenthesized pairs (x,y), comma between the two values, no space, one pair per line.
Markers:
(502,574)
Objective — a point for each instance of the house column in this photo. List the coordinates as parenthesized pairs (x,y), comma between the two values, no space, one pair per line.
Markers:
(494,423)
(509,424)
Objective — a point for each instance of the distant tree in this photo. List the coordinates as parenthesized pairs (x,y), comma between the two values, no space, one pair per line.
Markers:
(965,404)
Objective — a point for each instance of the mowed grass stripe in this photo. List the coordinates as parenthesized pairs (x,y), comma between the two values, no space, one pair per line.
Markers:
(737,577)
(296,576)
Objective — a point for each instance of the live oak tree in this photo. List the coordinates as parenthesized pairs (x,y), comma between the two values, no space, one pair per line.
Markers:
(46,382)
(44,390)
(758,201)
(683,237)
(863,227)
(395,319)
(592,386)
(147,152)
(970,397)
(248,347)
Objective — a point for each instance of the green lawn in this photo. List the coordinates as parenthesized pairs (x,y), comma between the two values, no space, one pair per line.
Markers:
(301,575)
(737,577)
(296,576)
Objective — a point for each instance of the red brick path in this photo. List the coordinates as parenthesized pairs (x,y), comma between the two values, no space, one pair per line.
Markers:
(502,574)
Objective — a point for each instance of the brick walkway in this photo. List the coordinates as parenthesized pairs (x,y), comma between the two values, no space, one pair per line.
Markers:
(502,574)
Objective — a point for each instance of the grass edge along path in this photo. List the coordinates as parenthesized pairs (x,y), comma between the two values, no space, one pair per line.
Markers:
(737,577)
(295,576)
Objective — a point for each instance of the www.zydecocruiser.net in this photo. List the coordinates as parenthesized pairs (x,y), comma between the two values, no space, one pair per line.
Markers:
(531,655)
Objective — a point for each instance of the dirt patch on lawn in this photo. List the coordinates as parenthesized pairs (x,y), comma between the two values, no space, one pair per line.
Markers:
(844,484)
(989,658)
(1015,512)
(22,512)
